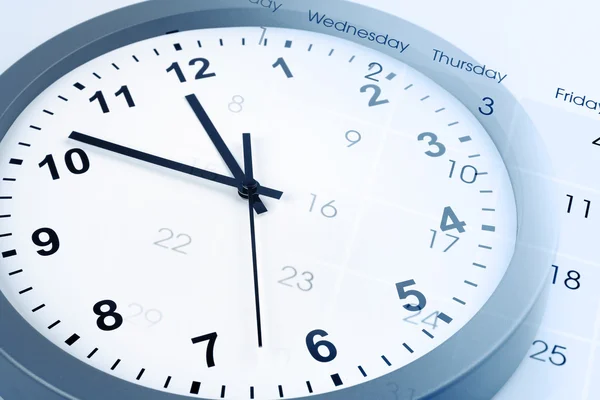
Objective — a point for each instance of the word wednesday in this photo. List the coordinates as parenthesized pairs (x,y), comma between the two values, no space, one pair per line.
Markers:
(270,4)
(581,101)
(346,27)
(482,70)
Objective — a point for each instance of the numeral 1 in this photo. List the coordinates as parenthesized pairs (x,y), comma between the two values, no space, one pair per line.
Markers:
(281,63)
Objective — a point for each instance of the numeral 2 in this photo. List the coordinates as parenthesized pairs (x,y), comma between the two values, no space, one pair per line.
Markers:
(374,100)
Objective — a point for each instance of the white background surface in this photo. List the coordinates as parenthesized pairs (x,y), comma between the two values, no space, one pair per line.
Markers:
(541,45)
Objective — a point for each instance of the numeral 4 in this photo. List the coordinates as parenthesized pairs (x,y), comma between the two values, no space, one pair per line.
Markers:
(450,221)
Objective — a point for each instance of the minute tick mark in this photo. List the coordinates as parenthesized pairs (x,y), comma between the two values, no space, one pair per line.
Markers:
(459,301)
(362,371)
(38,308)
(115,365)
(96,75)
(426,332)
(54,324)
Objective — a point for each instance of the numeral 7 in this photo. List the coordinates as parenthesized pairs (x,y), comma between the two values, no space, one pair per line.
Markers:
(210,349)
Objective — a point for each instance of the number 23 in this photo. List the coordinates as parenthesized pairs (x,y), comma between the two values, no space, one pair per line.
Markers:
(306,285)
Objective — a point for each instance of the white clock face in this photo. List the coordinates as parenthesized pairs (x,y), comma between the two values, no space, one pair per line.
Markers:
(396,223)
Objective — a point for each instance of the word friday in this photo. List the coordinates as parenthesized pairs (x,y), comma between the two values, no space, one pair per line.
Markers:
(482,70)
(581,101)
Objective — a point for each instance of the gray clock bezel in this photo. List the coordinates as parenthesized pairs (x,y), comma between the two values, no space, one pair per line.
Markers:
(472,364)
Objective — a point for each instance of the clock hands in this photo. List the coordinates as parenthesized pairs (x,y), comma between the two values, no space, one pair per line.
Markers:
(251,186)
(222,148)
(169,164)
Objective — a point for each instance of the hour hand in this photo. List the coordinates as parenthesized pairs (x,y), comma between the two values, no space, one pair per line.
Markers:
(222,148)
(169,164)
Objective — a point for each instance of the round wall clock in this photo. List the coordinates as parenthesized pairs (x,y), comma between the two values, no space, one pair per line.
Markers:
(248,199)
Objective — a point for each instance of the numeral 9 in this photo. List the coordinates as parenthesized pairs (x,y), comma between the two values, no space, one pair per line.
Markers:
(353,137)
(52,241)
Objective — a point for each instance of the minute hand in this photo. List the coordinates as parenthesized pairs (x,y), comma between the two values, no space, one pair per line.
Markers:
(221,147)
(169,164)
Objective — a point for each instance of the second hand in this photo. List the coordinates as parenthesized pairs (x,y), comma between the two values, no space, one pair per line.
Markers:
(251,186)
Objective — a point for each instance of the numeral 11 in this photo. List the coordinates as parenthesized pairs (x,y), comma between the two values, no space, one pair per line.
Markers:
(587,208)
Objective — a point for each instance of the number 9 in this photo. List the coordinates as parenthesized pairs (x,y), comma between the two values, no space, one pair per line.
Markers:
(52,240)
(353,139)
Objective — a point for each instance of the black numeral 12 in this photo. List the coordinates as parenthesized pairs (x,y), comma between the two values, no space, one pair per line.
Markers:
(99,96)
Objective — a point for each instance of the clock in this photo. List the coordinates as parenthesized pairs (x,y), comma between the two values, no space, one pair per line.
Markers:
(261,200)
